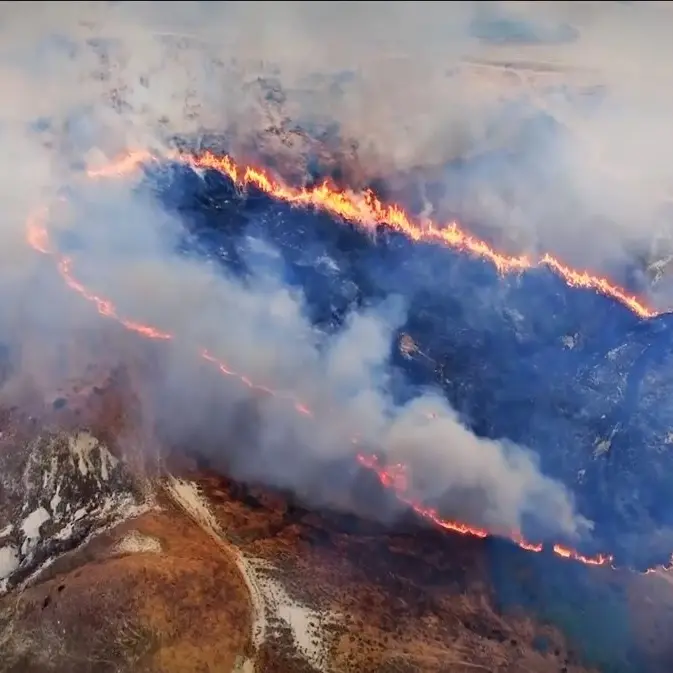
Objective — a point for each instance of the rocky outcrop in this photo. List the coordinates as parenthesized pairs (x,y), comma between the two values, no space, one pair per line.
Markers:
(58,489)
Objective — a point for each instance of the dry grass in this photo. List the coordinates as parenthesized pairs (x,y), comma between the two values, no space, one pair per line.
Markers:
(417,602)
(185,609)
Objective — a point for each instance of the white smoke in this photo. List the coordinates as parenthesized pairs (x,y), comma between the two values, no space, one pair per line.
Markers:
(83,81)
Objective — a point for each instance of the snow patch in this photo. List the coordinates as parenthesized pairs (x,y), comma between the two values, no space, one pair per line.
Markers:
(137,543)
(269,598)
(31,528)
(49,476)
(186,494)
(56,500)
(9,561)
(80,514)
(74,483)
(306,624)
(82,447)
(128,510)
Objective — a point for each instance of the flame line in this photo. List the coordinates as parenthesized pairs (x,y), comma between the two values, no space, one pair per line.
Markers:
(366,210)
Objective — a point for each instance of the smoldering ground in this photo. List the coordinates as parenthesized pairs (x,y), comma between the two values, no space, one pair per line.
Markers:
(411,88)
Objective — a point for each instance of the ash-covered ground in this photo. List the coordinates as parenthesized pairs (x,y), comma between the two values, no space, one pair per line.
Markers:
(569,373)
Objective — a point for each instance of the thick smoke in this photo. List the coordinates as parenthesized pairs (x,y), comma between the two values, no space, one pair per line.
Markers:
(260,329)
(418,87)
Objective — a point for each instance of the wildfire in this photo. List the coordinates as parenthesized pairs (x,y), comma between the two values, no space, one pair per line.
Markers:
(367,211)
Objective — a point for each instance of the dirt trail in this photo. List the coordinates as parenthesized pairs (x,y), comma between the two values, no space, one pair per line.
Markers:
(186,495)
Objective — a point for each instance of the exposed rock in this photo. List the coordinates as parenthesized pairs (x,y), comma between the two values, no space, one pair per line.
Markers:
(58,489)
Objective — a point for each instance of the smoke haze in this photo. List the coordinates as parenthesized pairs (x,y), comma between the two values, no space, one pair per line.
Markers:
(427,91)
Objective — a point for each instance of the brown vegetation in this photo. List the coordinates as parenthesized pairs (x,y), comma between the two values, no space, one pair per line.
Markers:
(183,609)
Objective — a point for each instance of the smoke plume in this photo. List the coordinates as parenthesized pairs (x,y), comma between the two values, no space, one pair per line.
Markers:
(553,139)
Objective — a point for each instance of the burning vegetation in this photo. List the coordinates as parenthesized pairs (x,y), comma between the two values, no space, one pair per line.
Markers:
(369,212)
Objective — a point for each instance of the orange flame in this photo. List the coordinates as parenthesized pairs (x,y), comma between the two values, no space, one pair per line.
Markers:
(566,552)
(36,231)
(367,211)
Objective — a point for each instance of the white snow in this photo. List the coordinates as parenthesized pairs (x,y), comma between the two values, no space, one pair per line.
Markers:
(260,620)
(56,499)
(49,476)
(9,561)
(65,532)
(31,527)
(268,597)
(304,622)
(136,543)
(80,513)
(124,508)
(45,485)
(186,495)
(82,445)
(107,462)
